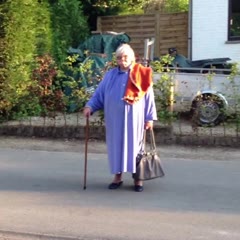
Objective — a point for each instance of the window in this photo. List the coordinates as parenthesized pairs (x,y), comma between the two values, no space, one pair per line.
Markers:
(234,20)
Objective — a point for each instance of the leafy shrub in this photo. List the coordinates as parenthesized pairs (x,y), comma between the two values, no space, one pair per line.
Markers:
(163,87)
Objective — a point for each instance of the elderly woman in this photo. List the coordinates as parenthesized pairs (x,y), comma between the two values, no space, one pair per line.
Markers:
(127,97)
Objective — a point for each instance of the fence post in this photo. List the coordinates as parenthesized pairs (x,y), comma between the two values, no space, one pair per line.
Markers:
(99,24)
(157,35)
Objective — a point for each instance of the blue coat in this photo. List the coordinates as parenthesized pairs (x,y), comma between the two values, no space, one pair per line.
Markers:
(124,122)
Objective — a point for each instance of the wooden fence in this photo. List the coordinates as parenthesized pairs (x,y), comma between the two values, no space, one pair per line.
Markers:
(169,30)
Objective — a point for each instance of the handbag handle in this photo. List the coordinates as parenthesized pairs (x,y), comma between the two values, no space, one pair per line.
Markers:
(152,140)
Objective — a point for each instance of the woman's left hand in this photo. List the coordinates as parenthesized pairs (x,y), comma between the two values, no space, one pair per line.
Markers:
(148,125)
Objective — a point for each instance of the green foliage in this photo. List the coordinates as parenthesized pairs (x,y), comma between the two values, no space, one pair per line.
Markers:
(47,88)
(166,6)
(69,27)
(44,96)
(25,26)
(234,86)
(163,87)
(30,32)
(43,28)
(163,64)
(131,7)
(172,6)
(95,8)
(113,3)
(234,70)
(75,78)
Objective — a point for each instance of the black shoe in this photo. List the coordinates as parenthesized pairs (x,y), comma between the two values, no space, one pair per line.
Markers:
(138,188)
(115,185)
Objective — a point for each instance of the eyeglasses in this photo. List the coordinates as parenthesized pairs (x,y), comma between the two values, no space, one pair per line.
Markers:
(125,57)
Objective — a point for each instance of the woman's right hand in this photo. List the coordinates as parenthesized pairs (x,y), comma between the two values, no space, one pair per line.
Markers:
(87,112)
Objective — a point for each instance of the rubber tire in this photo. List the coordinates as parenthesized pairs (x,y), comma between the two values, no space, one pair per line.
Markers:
(208,110)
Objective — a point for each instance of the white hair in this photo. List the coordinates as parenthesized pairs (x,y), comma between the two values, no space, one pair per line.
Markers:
(125,49)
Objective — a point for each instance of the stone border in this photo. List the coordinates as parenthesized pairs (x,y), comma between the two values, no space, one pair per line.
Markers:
(163,135)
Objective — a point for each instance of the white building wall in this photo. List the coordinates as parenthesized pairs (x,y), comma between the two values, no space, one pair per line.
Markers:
(210,31)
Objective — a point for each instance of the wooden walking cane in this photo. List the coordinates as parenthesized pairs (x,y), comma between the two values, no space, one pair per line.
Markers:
(86,150)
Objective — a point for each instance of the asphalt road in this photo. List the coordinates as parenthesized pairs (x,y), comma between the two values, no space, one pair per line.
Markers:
(42,196)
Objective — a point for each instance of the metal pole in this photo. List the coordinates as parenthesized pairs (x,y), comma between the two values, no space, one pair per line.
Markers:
(86,151)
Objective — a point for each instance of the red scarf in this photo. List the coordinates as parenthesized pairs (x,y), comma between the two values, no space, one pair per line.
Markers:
(139,81)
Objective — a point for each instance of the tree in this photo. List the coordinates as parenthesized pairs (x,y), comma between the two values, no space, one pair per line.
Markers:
(95,8)
(166,6)
(69,26)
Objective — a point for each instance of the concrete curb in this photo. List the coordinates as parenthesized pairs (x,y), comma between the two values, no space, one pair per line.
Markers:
(11,235)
